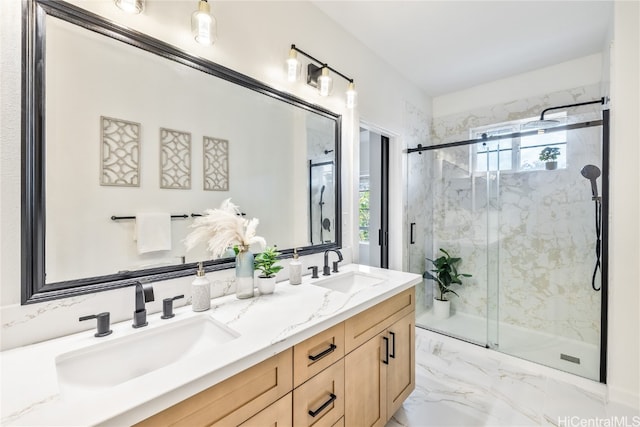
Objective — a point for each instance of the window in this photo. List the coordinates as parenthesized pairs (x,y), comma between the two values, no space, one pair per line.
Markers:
(516,154)
(364,217)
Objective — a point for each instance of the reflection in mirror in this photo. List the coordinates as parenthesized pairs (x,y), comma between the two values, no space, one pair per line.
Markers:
(321,217)
(145,133)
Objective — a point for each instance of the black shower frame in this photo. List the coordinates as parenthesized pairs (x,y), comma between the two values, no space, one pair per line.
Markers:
(604,269)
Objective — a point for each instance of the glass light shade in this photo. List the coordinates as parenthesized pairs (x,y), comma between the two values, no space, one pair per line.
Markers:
(352,96)
(130,6)
(325,82)
(293,66)
(203,24)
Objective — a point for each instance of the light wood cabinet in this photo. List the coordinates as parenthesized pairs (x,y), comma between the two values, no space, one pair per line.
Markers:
(401,375)
(366,385)
(317,353)
(356,373)
(380,373)
(320,400)
(234,400)
(277,414)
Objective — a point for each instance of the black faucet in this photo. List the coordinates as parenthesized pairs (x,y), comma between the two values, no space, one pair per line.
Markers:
(326,270)
(144,294)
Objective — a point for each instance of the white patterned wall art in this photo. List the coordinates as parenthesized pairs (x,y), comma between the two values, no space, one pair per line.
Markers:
(216,164)
(175,159)
(120,152)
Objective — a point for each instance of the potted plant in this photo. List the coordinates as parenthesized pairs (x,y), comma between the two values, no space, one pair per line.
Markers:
(266,263)
(446,274)
(549,155)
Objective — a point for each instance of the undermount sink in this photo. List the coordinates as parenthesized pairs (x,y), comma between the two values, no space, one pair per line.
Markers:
(114,362)
(349,282)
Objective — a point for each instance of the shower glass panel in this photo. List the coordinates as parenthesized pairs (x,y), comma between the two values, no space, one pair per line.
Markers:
(451,212)
(527,233)
(549,312)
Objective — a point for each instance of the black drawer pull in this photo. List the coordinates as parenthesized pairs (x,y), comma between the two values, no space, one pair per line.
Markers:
(386,350)
(332,397)
(393,345)
(324,353)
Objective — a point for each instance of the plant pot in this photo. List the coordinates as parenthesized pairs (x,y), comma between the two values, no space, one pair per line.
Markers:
(441,309)
(551,165)
(266,285)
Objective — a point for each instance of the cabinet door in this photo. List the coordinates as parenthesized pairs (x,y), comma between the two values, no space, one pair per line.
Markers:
(401,374)
(277,414)
(366,385)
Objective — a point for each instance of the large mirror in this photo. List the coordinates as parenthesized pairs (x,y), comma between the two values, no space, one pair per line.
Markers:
(122,130)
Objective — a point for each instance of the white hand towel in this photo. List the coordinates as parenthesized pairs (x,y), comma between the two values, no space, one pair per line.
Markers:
(153,232)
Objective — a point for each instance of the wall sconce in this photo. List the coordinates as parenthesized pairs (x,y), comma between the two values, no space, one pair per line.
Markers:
(203,24)
(130,6)
(318,76)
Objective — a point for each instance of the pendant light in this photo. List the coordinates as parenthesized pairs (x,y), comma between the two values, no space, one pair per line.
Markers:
(352,95)
(293,65)
(203,24)
(325,82)
(130,6)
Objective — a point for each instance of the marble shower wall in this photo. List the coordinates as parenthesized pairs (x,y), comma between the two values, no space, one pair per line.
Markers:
(527,237)
(418,189)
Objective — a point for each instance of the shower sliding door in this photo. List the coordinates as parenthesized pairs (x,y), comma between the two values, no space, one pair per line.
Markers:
(530,234)
(449,210)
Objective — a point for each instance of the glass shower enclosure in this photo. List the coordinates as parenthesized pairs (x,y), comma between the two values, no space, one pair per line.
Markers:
(529,233)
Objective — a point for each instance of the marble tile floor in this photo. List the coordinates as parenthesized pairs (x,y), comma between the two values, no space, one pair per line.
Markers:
(460,384)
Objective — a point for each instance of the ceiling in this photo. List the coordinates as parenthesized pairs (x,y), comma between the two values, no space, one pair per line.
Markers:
(446,46)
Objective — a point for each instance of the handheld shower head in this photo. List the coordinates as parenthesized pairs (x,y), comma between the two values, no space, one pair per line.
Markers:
(591,172)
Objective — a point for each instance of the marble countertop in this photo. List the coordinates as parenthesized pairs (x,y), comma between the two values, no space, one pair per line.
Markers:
(266,325)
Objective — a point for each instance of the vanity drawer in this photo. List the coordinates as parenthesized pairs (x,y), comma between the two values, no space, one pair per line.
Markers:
(234,400)
(366,325)
(316,353)
(320,401)
(277,414)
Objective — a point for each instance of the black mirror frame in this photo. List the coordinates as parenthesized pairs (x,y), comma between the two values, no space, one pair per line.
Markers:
(33,214)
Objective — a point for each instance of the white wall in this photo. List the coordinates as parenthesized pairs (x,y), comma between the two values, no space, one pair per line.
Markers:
(624,219)
(254,39)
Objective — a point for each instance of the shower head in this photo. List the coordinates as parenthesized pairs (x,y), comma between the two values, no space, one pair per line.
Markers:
(548,123)
(541,124)
(322,195)
(592,172)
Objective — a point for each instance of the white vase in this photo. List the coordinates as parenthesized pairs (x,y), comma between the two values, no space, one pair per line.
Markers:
(441,309)
(266,285)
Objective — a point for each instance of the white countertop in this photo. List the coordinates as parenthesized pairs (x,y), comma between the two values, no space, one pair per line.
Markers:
(266,326)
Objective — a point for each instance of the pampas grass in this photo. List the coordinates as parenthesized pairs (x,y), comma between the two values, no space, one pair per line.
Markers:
(222,229)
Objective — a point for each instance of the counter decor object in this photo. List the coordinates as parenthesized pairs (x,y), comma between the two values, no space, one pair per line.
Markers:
(266,264)
(200,291)
(225,228)
(244,272)
(295,269)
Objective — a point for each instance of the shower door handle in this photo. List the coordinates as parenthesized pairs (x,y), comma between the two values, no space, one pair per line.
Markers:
(412,228)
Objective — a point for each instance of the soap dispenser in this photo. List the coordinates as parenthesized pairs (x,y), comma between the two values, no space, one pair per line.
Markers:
(295,269)
(200,291)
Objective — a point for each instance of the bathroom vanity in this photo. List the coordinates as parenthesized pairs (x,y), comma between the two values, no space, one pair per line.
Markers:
(338,350)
